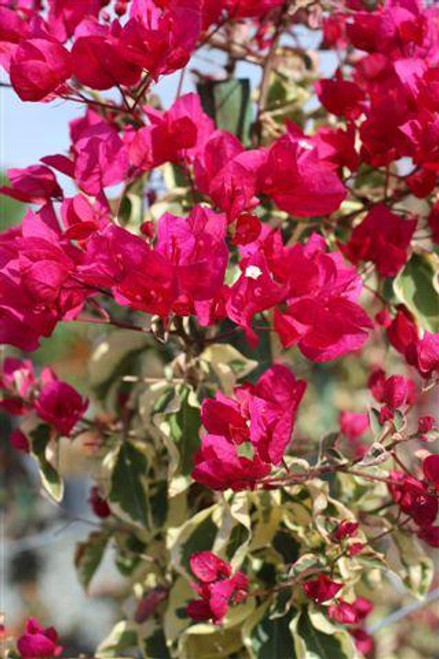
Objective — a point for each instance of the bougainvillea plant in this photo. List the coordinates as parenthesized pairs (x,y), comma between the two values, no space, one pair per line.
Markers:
(248,251)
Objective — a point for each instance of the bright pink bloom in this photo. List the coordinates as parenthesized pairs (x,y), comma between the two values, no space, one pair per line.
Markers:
(17,381)
(219,467)
(160,37)
(318,295)
(363,640)
(427,354)
(394,391)
(38,68)
(19,441)
(38,643)
(322,589)
(223,416)
(17,376)
(341,97)
(217,588)
(253,292)
(185,268)
(101,159)
(59,404)
(430,467)
(413,498)
(251,8)
(356,548)
(337,147)
(137,275)
(180,133)
(13,28)
(402,332)
(248,229)
(422,182)
(263,413)
(271,405)
(379,133)
(35,184)
(383,318)
(298,181)
(36,284)
(422,140)
(426,423)
(208,567)
(334,30)
(387,30)
(196,250)
(98,58)
(345,530)
(422,353)
(65,16)
(353,424)
(362,607)
(430,535)
(343,612)
(81,217)
(321,313)
(229,174)
(383,238)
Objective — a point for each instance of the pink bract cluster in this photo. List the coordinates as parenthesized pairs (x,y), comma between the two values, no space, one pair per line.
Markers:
(260,417)
(216,586)
(37,642)
(46,398)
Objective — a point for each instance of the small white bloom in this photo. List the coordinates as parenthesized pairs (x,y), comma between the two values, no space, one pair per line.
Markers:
(306,145)
(253,272)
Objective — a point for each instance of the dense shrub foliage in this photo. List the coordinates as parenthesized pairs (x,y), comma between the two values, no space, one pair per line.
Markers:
(262,259)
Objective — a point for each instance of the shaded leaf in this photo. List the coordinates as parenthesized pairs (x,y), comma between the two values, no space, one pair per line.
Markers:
(89,555)
(123,637)
(185,427)
(312,643)
(126,482)
(266,638)
(228,103)
(415,286)
(50,478)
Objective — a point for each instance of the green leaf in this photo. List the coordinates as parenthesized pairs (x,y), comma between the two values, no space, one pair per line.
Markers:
(327,450)
(198,533)
(228,364)
(416,287)
(313,643)
(228,103)
(306,564)
(129,552)
(399,421)
(123,637)
(267,638)
(115,356)
(417,568)
(89,554)
(130,211)
(126,482)
(374,422)
(185,427)
(52,481)
(155,645)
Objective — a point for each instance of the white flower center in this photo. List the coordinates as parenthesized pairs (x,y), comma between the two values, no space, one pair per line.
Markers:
(253,272)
